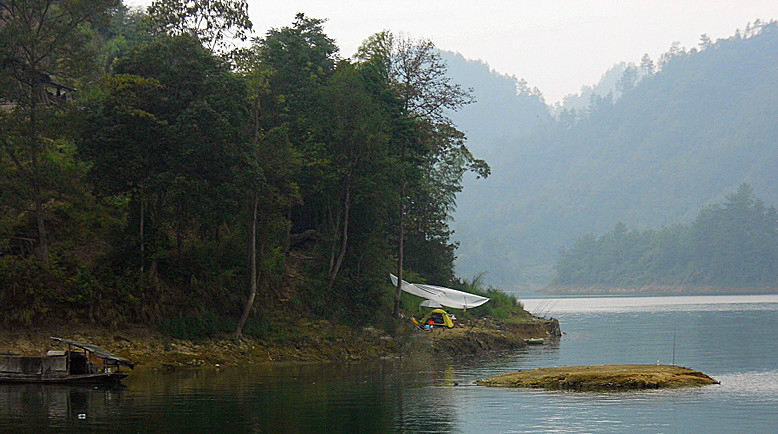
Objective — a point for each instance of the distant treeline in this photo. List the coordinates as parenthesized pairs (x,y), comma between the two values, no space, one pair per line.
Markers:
(677,133)
(730,245)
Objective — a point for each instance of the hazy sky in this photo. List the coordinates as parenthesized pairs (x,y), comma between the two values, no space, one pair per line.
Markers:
(556,45)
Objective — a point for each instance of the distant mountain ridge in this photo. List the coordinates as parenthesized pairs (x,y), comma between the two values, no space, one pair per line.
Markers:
(678,140)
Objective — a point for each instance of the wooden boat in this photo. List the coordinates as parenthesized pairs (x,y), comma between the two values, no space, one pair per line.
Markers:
(81,363)
(534,341)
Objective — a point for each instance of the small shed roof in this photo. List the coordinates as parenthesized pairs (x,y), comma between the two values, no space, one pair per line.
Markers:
(98,351)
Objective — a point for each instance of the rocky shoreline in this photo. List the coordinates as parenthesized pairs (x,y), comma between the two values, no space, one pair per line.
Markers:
(321,341)
(491,337)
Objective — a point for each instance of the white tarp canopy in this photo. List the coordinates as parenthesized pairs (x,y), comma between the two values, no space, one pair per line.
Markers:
(441,295)
(430,303)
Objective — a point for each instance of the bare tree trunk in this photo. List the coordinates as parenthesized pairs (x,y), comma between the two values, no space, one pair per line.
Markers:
(334,223)
(43,253)
(253,271)
(400,253)
(142,237)
(37,151)
(288,237)
(344,236)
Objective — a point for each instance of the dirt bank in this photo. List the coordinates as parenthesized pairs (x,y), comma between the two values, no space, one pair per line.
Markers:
(314,341)
(153,350)
(602,378)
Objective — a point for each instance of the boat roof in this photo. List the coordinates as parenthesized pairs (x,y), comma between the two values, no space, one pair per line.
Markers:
(98,351)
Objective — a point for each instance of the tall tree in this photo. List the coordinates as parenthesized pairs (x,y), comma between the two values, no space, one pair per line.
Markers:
(354,135)
(432,148)
(43,50)
(647,65)
(155,131)
(267,178)
(735,242)
(124,137)
(214,22)
(301,58)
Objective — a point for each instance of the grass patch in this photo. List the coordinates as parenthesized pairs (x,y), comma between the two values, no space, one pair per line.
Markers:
(501,306)
(601,378)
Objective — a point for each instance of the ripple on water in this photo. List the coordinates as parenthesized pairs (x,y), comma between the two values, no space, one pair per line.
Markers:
(751,384)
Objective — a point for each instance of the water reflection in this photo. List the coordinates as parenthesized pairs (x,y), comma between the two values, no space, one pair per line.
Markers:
(340,397)
(56,405)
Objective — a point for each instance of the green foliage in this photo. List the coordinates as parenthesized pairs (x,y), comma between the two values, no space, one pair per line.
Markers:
(44,53)
(194,326)
(29,290)
(179,165)
(500,306)
(213,21)
(729,245)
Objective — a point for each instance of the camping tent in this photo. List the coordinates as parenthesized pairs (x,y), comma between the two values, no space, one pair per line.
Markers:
(439,317)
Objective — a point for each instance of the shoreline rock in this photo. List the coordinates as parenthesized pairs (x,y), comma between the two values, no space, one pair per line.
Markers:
(465,340)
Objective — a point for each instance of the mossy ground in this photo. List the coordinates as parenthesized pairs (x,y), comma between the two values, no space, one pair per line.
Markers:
(601,378)
(152,349)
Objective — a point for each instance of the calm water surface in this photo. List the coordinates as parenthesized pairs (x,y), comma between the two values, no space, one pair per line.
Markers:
(733,339)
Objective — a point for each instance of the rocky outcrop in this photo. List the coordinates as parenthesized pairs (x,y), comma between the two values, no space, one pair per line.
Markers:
(491,336)
(601,378)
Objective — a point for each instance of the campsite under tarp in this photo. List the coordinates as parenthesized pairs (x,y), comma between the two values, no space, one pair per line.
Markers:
(443,296)
(439,318)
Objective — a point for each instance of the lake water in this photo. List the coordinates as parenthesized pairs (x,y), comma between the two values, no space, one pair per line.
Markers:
(733,339)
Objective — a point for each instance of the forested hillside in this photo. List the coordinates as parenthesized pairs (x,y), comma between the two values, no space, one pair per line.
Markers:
(729,246)
(683,132)
(151,172)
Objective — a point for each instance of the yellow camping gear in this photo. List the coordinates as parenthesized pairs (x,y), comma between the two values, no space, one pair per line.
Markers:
(438,317)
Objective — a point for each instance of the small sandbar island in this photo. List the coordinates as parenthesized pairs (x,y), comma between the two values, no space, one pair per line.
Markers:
(602,378)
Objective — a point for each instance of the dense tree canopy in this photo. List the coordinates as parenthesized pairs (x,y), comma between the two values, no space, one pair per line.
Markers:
(210,180)
(44,50)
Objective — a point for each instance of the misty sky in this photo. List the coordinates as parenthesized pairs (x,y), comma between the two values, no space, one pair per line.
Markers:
(556,45)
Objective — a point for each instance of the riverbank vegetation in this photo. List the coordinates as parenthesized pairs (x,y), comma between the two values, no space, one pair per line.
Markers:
(151,173)
(731,246)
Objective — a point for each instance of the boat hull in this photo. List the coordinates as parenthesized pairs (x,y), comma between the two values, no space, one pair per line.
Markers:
(99,378)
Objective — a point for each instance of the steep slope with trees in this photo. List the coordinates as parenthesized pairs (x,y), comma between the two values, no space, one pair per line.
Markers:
(200,188)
